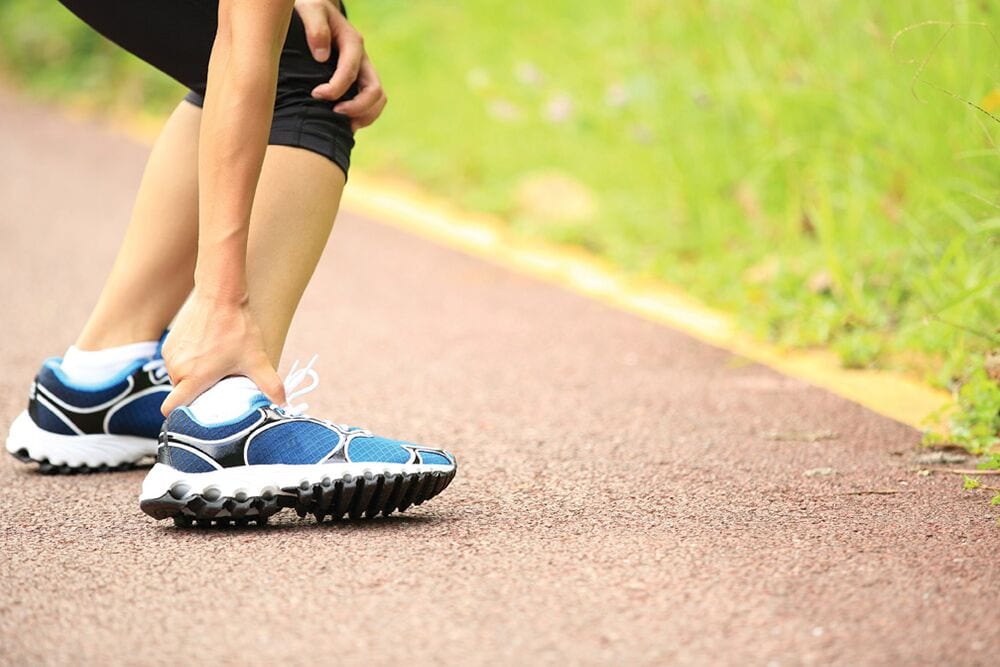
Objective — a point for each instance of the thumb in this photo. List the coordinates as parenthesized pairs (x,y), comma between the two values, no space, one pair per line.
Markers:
(265,377)
(183,393)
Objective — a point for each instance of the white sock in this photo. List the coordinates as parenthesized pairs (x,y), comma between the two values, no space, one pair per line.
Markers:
(97,366)
(227,399)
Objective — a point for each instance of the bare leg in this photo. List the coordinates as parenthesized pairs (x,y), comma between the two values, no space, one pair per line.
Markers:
(296,202)
(153,272)
(297,199)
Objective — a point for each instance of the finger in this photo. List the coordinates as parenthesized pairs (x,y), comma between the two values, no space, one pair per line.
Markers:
(363,102)
(269,382)
(317,24)
(183,393)
(348,65)
(369,90)
(371,116)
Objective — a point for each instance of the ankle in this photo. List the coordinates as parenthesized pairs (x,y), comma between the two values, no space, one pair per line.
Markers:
(94,338)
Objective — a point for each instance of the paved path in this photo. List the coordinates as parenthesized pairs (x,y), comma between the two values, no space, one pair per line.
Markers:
(625,494)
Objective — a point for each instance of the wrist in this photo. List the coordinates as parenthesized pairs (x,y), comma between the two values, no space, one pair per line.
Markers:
(221,295)
(220,273)
(221,287)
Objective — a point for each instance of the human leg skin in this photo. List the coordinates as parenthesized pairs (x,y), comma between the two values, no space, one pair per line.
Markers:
(109,417)
(153,271)
(296,202)
(176,37)
(293,212)
(97,408)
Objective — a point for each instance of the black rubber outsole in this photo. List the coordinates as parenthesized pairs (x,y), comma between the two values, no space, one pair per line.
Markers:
(354,497)
(46,467)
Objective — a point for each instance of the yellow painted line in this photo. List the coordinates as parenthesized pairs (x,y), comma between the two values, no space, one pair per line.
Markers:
(398,203)
(891,394)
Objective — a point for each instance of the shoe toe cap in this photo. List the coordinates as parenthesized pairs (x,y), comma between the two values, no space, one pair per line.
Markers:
(436,457)
(384,450)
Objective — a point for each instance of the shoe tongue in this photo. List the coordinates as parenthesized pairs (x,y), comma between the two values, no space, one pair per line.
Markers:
(226,400)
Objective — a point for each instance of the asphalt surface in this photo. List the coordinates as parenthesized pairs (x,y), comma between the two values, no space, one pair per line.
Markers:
(626,495)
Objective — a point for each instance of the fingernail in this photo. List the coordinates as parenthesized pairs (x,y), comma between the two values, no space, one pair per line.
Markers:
(322,54)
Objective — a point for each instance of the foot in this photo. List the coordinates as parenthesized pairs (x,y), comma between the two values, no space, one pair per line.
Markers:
(69,427)
(273,457)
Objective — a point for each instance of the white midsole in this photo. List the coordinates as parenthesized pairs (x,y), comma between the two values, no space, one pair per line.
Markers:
(95,450)
(252,480)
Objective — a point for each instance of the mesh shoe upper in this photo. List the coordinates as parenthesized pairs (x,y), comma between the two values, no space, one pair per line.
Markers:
(267,435)
(126,404)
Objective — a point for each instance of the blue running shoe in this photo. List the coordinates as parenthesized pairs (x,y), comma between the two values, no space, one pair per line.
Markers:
(273,457)
(70,428)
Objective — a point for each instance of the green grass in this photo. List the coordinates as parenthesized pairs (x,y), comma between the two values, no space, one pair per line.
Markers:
(784,161)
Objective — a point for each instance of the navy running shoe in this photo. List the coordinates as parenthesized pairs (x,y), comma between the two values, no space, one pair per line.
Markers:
(69,427)
(274,457)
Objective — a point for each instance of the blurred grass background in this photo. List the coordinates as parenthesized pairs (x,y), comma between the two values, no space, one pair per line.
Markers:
(828,171)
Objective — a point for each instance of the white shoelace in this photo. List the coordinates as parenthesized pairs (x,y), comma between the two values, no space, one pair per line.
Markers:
(157,367)
(294,378)
(292,391)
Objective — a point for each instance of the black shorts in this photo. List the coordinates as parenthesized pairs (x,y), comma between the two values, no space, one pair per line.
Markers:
(176,37)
